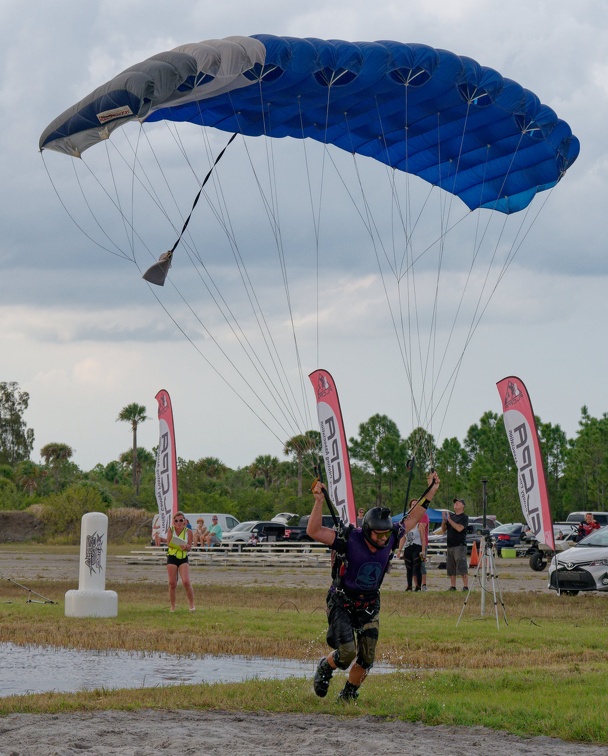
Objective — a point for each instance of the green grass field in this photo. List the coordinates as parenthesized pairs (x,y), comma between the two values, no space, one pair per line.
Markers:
(543,673)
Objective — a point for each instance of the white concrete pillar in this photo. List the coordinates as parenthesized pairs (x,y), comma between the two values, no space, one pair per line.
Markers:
(91,599)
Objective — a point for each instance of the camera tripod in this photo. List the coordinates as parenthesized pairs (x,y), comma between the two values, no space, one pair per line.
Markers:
(31,593)
(488,571)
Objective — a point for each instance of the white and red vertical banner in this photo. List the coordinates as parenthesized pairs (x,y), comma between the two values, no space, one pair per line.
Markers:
(520,426)
(166,463)
(335,450)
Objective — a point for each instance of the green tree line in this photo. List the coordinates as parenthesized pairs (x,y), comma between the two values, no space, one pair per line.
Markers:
(577,469)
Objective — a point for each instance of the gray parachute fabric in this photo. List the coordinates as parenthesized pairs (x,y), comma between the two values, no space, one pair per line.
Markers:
(187,73)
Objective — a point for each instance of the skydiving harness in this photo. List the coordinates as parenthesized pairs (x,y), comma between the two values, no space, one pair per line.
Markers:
(339,562)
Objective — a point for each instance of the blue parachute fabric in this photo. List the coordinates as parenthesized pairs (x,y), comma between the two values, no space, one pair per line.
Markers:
(443,117)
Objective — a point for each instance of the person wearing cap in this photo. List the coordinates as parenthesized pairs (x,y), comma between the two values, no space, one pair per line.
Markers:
(456,527)
(214,535)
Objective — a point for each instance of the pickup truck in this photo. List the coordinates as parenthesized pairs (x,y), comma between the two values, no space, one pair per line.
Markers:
(295,530)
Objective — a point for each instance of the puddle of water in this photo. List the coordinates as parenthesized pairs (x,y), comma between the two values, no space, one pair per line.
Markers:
(42,669)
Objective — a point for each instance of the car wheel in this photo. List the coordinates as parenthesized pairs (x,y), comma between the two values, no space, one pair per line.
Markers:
(538,561)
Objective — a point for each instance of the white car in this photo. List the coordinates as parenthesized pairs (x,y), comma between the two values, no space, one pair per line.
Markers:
(584,567)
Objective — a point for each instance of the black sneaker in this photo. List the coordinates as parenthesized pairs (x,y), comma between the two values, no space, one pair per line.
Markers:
(451,589)
(348,693)
(417,588)
(322,678)
(464,588)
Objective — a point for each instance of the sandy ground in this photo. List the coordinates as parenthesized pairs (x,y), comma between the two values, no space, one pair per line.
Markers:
(513,574)
(218,732)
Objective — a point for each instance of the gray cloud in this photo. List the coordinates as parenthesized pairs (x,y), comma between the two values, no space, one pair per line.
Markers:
(78,324)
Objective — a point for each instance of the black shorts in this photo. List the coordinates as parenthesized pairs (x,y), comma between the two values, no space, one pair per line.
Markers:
(172,559)
(348,622)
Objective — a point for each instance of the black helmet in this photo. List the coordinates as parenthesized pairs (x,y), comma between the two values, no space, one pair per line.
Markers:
(376,518)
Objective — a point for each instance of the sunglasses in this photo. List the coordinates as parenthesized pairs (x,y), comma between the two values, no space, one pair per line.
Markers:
(382,533)
(178,519)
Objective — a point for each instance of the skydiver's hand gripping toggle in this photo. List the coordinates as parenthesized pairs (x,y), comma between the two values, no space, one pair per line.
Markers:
(433,485)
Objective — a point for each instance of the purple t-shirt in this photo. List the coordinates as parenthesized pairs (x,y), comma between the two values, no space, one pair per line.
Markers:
(365,569)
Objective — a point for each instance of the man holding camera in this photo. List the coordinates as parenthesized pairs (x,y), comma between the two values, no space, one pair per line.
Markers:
(456,526)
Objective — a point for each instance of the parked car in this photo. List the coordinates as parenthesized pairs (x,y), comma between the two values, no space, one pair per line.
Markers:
(491,521)
(297,532)
(262,530)
(439,541)
(507,536)
(584,567)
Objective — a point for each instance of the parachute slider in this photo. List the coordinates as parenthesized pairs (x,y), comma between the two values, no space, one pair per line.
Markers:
(157,273)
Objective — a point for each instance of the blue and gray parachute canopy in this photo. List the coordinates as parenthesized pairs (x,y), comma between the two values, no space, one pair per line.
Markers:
(445,118)
(385,216)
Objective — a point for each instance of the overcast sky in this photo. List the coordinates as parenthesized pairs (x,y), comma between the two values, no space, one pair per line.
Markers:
(85,336)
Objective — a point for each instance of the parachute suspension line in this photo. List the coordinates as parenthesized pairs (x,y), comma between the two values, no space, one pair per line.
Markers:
(152,191)
(316,221)
(125,221)
(232,322)
(196,199)
(190,251)
(223,219)
(272,210)
(433,364)
(481,309)
(219,300)
(302,378)
(120,253)
(376,241)
(117,207)
(147,188)
(408,227)
(476,249)
(220,375)
(217,297)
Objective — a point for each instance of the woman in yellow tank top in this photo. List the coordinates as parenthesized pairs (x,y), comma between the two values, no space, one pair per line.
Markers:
(179,543)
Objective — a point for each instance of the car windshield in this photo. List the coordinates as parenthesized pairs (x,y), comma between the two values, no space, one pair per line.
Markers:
(509,528)
(597,538)
(243,526)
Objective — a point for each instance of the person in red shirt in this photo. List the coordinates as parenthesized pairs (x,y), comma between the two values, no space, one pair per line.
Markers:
(587,526)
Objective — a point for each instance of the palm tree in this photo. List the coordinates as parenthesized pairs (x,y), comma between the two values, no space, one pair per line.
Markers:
(29,475)
(211,467)
(55,455)
(264,466)
(300,446)
(144,458)
(55,452)
(133,414)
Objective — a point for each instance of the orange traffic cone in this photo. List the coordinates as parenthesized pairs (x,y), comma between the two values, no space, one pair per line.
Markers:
(474,556)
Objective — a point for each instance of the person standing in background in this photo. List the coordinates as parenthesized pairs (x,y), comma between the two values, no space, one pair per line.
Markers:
(456,527)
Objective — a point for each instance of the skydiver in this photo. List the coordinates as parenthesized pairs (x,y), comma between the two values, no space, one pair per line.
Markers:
(361,560)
